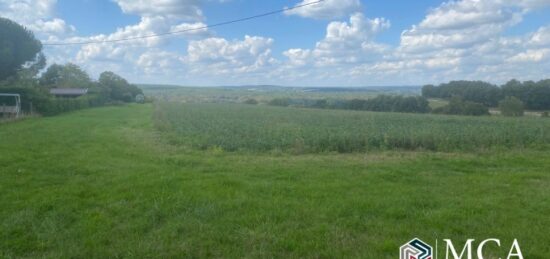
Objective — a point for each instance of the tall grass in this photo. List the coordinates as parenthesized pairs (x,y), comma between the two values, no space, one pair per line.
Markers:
(236,127)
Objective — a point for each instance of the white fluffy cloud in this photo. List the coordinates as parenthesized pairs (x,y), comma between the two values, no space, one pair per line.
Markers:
(463,39)
(344,43)
(37,15)
(135,57)
(328,9)
(220,56)
(460,25)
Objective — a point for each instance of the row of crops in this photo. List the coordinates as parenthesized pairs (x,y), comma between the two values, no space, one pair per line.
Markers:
(235,127)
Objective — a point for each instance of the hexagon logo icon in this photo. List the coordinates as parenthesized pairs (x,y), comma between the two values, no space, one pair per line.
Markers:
(415,249)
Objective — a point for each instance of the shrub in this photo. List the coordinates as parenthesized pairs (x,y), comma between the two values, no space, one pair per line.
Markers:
(54,106)
(545,115)
(320,104)
(280,102)
(251,101)
(512,107)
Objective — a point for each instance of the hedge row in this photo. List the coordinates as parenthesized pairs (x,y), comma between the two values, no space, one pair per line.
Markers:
(39,101)
(56,106)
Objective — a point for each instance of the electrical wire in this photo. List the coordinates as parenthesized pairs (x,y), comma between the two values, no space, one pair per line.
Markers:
(186,30)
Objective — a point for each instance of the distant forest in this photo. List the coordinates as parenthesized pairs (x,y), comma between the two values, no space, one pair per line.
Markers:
(472,98)
(533,95)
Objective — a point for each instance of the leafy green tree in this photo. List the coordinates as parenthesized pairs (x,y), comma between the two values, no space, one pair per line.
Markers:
(534,95)
(18,47)
(512,107)
(118,87)
(65,76)
(472,91)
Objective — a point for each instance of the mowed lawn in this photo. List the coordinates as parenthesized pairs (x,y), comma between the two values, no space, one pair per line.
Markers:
(102,183)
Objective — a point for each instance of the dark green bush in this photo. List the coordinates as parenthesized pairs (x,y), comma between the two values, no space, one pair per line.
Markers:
(56,106)
(512,107)
(251,101)
(280,102)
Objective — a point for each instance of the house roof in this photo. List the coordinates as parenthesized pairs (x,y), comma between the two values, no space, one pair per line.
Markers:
(69,91)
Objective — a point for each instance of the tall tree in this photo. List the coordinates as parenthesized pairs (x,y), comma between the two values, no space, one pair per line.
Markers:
(118,87)
(65,76)
(18,47)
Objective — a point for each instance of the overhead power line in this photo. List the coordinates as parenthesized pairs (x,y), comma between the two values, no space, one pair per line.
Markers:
(186,30)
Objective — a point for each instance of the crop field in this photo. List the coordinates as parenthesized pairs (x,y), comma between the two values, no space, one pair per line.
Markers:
(238,127)
(107,183)
(264,94)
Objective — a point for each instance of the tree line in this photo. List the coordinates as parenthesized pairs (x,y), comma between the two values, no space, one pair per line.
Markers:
(381,103)
(533,95)
(22,65)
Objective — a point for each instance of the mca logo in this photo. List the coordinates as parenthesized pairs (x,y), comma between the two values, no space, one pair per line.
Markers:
(415,249)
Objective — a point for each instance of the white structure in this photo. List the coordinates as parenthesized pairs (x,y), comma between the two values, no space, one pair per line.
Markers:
(10,109)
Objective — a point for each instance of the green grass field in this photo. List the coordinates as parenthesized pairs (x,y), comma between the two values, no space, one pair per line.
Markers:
(106,183)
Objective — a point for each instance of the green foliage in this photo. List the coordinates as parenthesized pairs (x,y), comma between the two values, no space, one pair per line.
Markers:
(471,91)
(459,107)
(236,127)
(321,104)
(17,47)
(31,97)
(55,106)
(284,102)
(534,95)
(251,101)
(119,89)
(512,107)
(545,115)
(388,103)
(381,103)
(65,76)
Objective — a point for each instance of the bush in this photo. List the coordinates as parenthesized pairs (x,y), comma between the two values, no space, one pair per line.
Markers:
(280,102)
(512,107)
(545,115)
(320,104)
(55,106)
(251,101)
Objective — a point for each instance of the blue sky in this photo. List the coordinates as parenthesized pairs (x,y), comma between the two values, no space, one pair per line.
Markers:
(334,43)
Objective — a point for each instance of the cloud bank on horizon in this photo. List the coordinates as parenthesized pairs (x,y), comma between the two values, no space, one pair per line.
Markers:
(465,39)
